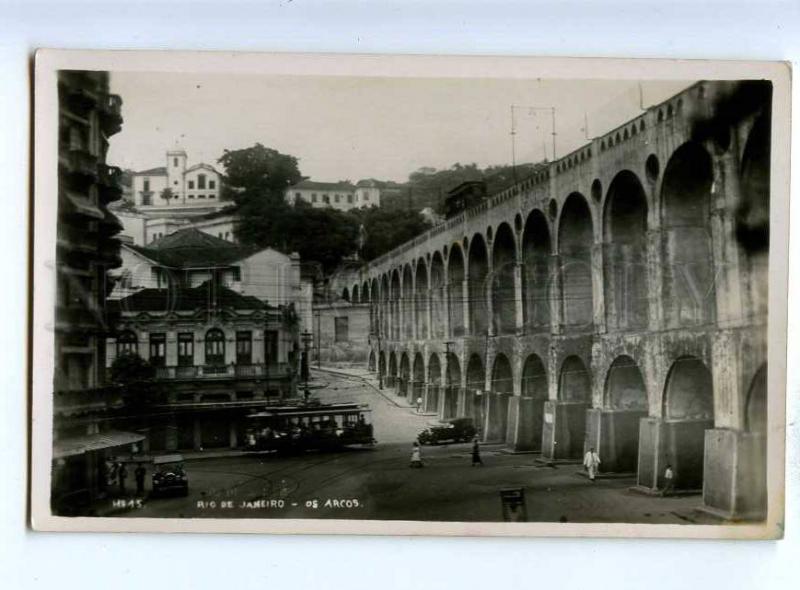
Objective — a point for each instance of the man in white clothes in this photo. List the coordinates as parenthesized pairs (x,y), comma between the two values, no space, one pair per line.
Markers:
(591,460)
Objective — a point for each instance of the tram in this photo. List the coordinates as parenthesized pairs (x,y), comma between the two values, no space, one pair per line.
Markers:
(309,427)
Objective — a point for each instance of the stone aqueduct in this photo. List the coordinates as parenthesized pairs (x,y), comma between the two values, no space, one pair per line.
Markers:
(608,300)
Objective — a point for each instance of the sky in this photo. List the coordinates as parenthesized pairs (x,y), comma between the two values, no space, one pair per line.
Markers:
(346,128)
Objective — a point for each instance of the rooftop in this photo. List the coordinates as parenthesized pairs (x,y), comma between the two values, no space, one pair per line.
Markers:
(186,299)
(324,186)
(192,248)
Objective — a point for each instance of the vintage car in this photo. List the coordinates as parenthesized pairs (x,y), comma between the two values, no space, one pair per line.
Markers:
(453,430)
(169,476)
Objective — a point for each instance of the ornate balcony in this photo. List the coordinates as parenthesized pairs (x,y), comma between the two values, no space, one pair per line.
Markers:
(111,113)
(108,178)
(259,370)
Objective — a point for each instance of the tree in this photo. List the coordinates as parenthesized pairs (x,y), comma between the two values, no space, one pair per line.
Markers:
(129,369)
(167,194)
(386,229)
(256,180)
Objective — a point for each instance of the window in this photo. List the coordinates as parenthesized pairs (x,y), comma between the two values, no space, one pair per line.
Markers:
(201,196)
(201,181)
(175,162)
(185,349)
(191,184)
(337,197)
(215,347)
(313,197)
(211,196)
(158,349)
(175,182)
(297,196)
(366,196)
(340,329)
(244,348)
(349,198)
(191,196)
(127,343)
(326,199)
(212,184)
(271,346)
(146,187)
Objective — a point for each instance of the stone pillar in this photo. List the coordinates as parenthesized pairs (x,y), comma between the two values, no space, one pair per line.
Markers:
(171,352)
(598,289)
(487,295)
(725,197)
(467,305)
(563,430)
(555,295)
(735,474)
(519,304)
(655,279)
(171,434)
(444,312)
(429,315)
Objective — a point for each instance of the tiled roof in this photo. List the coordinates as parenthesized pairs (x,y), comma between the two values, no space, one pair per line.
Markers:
(203,296)
(324,186)
(192,248)
(161,171)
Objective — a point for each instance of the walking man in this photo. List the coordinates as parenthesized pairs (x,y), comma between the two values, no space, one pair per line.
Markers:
(591,461)
(139,475)
(121,475)
(476,452)
(419,404)
(416,456)
(669,481)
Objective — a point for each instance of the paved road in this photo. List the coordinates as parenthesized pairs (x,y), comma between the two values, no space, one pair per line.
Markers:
(377,483)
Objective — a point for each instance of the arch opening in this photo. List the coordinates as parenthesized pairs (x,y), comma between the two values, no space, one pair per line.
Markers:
(478,272)
(536,251)
(407,311)
(534,391)
(504,262)
(455,291)
(421,299)
(434,385)
(438,297)
(575,240)
(474,395)
(452,386)
(625,254)
(502,390)
(689,294)
(417,391)
(404,377)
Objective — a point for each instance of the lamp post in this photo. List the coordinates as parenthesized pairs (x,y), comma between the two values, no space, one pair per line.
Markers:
(447,385)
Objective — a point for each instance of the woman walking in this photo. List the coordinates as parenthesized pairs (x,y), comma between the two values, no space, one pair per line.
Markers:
(476,452)
(416,456)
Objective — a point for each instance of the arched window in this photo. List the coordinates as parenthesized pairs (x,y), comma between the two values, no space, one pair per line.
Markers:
(215,347)
(127,343)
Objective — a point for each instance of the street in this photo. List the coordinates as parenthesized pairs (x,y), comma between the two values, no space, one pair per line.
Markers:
(377,483)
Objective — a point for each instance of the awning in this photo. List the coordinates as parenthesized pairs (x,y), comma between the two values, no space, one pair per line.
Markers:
(77,445)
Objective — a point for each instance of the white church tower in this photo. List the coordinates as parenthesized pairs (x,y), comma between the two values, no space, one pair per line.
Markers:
(176,168)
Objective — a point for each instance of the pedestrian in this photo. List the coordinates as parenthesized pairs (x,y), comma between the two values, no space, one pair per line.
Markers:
(139,474)
(669,481)
(591,460)
(416,455)
(121,475)
(476,452)
(419,404)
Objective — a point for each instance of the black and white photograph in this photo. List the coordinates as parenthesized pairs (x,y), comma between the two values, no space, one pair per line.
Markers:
(409,295)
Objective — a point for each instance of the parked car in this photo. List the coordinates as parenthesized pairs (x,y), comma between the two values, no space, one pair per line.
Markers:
(169,476)
(453,430)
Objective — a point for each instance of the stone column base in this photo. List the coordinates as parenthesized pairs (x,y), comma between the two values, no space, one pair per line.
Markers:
(563,430)
(614,434)
(735,474)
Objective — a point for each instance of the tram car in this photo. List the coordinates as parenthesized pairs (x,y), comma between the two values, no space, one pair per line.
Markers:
(309,427)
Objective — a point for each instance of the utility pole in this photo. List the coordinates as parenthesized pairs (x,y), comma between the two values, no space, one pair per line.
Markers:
(447,384)
(304,369)
(319,337)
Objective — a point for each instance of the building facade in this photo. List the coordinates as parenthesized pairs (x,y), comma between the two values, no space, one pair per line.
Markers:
(216,355)
(341,196)
(616,298)
(194,190)
(87,247)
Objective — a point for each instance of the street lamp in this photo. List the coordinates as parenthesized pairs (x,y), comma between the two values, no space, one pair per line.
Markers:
(447,385)
(304,369)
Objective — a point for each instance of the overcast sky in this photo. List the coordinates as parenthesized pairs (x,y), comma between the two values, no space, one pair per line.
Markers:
(353,128)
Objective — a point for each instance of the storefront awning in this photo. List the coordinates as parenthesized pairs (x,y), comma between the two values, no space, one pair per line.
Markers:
(77,445)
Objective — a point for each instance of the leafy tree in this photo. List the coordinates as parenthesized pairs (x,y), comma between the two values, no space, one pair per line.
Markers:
(256,180)
(130,369)
(387,229)
(167,194)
